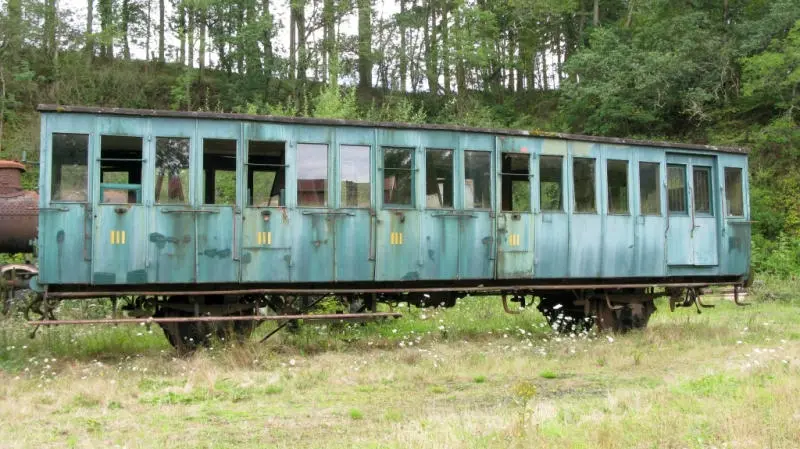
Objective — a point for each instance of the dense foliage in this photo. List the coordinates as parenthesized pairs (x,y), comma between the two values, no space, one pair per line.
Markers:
(706,71)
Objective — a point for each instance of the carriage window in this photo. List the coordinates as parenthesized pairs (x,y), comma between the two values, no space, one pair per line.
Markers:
(219,171)
(649,189)
(266,174)
(312,174)
(617,175)
(439,179)
(355,172)
(702,189)
(516,186)
(550,183)
(172,163)
(676,188)
(120,169)
(70,175)
(477,180)
(733,192)
(584,179)
(398,177)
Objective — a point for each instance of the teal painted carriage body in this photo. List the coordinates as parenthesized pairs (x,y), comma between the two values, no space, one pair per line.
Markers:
(136,239)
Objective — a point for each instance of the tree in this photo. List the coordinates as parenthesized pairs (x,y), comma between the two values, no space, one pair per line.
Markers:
(365,43)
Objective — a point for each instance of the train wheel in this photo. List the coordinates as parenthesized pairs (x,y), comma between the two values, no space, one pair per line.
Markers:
(623,317)
(563,316)
(188,336)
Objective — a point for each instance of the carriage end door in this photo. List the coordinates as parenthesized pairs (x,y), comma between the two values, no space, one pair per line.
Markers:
(691,207)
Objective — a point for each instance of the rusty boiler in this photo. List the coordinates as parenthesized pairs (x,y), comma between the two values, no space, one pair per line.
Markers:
(19,210)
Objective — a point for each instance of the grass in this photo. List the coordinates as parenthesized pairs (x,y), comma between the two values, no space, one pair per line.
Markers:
(470,376)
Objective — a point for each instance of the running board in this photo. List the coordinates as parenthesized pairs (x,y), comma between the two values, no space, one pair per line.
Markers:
(192,319)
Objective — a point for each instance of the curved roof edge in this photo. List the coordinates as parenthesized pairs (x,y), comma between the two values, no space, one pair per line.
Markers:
(340,122)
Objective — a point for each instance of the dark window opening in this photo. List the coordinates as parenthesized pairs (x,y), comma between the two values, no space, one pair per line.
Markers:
(702,190)
(355,171)
(516,181)
(584,184)
(70,175)
(550,183)
(477,180)
(172,166)
(617,176)
(439,179)
(676,188)
(219,171)
(398,177)
(312,175)
(649,189)
(266,174)
(120,169)
(734,197)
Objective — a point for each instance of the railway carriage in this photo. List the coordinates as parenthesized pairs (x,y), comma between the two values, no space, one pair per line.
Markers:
(195,213)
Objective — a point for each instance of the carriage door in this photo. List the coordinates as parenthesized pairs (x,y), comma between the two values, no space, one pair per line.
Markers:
(217,217)
(313,246)
(514,219)
(354,222)
(692,227)
(64,214)
(121,217)
(440,221)
(266,253)
(476,233)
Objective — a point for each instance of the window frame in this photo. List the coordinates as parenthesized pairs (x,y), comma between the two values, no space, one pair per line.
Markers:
(711,209)
(657,166)
(127,187)
(412,171)
(51,171)
(512,178)
(489,177)
(327,201)
(686,204)
(339,173)
(740,170)
(596,207)
(627,211)
(452,177)
(561,192)
(189,172)
(201,195)
(248,195)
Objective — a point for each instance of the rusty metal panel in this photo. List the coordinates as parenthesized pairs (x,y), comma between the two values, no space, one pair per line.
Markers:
(552,244)
(172,247)
(119,253)
(439,246)
(398,245)
(476,253)
(216,240)
(64,244)
(312,245)
(266,245)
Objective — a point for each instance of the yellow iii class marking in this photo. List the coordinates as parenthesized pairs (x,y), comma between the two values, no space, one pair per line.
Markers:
(513,240)
(117,237)
(264,238)
(396,238)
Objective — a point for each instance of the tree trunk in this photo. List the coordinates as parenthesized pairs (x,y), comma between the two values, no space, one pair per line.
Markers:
(596,16)
(182,33)
(201,18)
(161,31)
(446,48)
(431,58)
(267,39)
(327,39)
(106,26)
(149,24)
(302,57)
(293,39)
(190,36)
(511,59)
(364,43)
(403,51)
(89,48)
(630,13)
(126,17)
(50,18)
